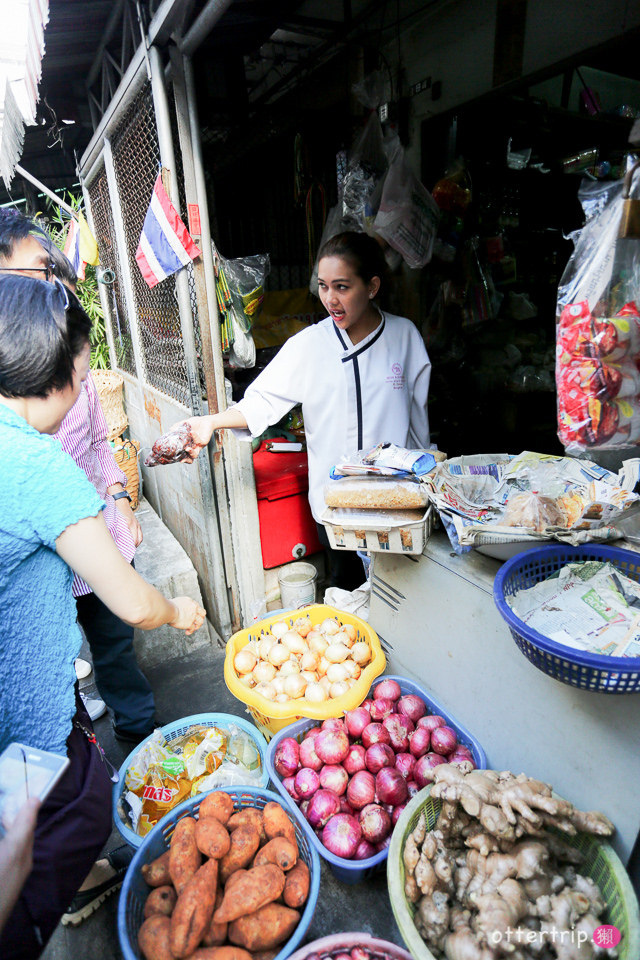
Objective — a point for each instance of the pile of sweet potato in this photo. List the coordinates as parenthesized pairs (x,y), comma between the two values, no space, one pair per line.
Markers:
(230,887)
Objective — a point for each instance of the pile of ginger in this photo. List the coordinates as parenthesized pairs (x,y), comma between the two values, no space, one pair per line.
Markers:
(495,879)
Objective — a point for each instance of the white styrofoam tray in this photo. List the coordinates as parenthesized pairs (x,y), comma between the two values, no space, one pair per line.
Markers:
(377,532)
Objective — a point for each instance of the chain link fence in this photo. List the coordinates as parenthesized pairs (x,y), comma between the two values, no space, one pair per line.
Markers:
(136,158)
(118,318)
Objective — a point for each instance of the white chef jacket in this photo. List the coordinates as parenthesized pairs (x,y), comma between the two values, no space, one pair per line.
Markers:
(352,396)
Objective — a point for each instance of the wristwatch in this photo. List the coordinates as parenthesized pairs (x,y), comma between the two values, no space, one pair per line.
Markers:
(120,495)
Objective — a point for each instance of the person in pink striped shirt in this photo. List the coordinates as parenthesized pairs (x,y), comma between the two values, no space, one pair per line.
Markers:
(83,435)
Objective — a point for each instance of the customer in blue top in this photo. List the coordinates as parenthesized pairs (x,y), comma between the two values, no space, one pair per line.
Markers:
(50,526)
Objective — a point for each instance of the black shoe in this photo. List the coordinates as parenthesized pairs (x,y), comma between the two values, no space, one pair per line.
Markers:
(132,736)
(87,902)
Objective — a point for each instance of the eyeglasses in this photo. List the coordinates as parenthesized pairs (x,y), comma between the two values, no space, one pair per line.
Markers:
(48,271)
(61,288)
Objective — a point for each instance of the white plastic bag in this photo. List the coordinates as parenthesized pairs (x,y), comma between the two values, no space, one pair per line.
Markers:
(408,215)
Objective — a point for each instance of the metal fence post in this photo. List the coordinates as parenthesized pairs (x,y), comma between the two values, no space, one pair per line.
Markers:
(165,141)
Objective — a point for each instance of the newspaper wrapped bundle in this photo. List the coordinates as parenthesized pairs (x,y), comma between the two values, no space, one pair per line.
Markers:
(499,499)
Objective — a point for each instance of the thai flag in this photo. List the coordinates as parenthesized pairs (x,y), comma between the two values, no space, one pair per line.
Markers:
(165,243)
(72,249)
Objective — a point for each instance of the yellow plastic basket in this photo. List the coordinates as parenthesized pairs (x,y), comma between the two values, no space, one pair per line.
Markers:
(271,717)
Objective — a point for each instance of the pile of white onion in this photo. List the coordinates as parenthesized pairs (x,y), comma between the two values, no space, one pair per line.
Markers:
(302,661)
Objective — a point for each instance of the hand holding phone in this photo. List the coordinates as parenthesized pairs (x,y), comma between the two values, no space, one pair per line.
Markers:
(26,772)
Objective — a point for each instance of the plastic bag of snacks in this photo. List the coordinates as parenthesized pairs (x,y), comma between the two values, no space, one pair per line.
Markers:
(598,330)
(164,773)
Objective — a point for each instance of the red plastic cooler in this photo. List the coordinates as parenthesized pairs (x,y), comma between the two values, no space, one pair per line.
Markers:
(287,528)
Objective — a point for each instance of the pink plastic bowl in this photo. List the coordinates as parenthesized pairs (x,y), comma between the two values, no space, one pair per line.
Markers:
(346,941)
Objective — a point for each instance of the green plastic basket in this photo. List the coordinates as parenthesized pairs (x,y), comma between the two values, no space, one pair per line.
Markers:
(601,863)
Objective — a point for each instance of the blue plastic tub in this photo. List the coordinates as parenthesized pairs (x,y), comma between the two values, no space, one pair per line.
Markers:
(588,671)
(135,889)
(170,732)
(354,871)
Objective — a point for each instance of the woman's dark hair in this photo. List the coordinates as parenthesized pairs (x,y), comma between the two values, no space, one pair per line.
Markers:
(362,251)
(43,329)
(62,266)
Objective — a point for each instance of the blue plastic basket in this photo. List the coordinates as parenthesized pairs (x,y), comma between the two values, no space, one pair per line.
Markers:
(354,871)
(588,671)
(135,889)
(170,732)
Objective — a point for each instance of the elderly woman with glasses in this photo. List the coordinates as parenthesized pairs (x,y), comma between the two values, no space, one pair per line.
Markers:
(50,526)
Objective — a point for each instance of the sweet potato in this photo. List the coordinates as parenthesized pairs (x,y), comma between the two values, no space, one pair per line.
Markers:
(161,900)
(277,823)
(259,886)
(153,938)
(193,911)
(184,856)
(217,804)
(212,838)
(247,817)
(244,845)
(279,851)
(157,873)
(222,953)
(217,932)
(265,954)
(233,879)
(296,887)
(265,928)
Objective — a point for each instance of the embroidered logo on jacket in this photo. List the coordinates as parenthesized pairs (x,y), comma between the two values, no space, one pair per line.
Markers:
(397,377)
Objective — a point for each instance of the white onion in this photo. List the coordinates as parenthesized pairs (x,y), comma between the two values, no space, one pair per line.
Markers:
(282,698)
(325,682)
(310,676)
(295,686)
(303,625)
(352,668)
(317,643)
(342,637)
(265,645)
(336,653)
(264,672)
(321,669)
(253,646)
(337,689)
(315,693)
(294,642)
(329,627)
(278,654)
(337,672)
(361,652)
(247,680)
(278,683)
(266,690)
(309,660)
(244,661)
(350,682)
(279,628)
(351,631)
(288,668)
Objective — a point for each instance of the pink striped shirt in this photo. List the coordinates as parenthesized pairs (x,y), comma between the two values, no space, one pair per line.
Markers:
(83,435)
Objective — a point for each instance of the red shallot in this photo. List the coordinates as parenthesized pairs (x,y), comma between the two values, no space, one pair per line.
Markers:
(375,822)
(361,789)
(443,740)
(391,786)
(356,720)
(411,706)
(389,689)
(308,755)
(341,835)
(375,733)
(420,742)
(324,804)
(381,708)
(306,782)
(354,760)
(405,762)
(287,757)
(423,765)
(379,755)
(334,777)
(398,729)
(332,746)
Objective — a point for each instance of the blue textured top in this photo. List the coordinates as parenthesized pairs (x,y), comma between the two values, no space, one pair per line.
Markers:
(42,492)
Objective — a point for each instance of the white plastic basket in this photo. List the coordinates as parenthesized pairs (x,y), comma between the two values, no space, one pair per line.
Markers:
(382,533)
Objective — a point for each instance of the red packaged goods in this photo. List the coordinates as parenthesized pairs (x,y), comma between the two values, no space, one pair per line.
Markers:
(604,381)
(585,421)
(608,338)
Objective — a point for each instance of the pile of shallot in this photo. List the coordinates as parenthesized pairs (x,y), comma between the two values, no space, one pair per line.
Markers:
(303,661)
(352,778)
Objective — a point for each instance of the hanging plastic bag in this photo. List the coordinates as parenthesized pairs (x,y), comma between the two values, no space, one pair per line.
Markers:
(408,216)
(598,325)
(246,278)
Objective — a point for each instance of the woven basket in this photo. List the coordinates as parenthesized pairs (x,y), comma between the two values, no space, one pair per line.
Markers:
(126,455)
(109,386)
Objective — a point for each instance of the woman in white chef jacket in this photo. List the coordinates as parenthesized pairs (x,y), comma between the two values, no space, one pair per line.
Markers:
(361,375)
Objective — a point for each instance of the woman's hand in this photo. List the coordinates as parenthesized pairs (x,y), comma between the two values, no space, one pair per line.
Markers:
(123,505)
(189,615)
(16,856)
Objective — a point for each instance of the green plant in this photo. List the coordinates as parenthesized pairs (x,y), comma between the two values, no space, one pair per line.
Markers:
(56,224)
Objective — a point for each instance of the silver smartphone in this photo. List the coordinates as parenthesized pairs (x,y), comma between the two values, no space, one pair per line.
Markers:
(26,772)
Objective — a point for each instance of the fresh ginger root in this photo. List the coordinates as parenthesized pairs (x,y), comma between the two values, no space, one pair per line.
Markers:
(494,870)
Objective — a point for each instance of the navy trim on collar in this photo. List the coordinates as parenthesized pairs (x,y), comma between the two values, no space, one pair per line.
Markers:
(356,353)
(356,374)
(339,336)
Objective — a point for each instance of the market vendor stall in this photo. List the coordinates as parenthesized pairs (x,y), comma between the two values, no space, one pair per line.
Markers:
(437,621)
